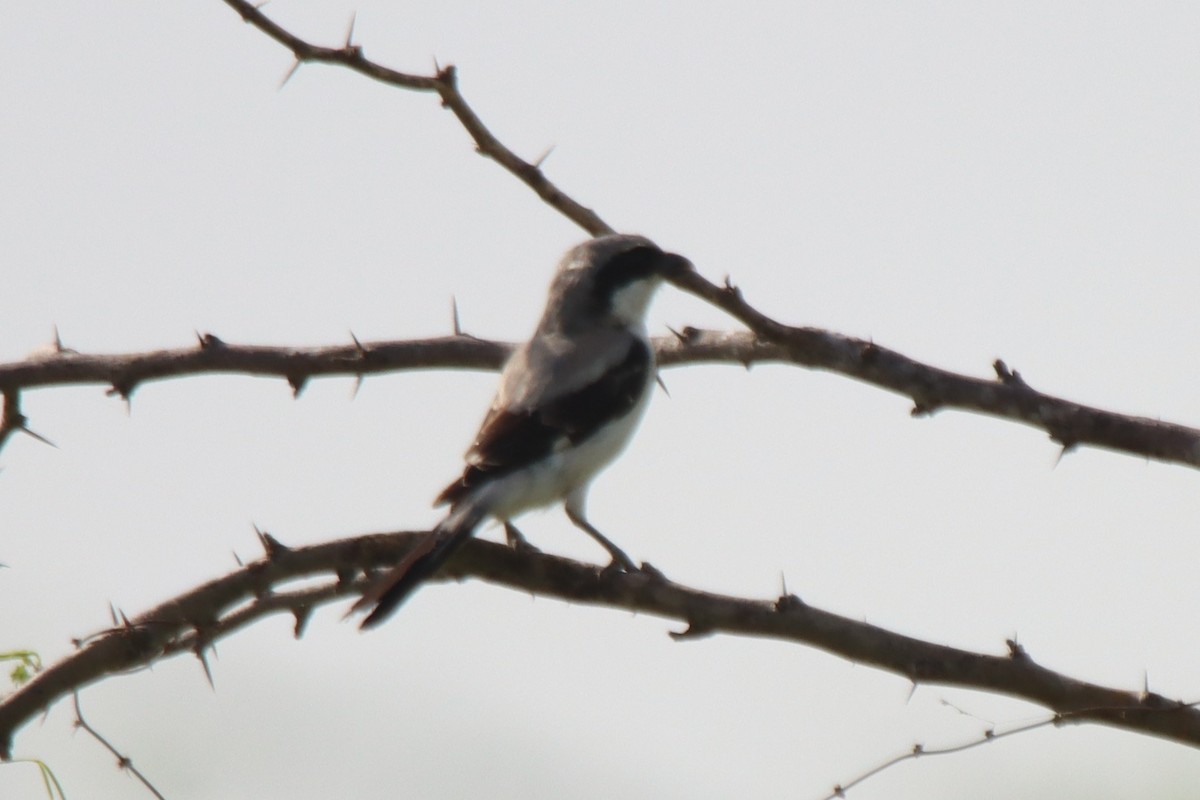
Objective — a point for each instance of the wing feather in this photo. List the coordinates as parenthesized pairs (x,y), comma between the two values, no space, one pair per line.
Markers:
(528,423)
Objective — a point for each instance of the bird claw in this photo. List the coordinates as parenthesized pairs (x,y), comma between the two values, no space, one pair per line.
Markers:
(517,541)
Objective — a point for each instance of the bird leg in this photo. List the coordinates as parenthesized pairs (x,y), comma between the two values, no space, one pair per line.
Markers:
(618,555)
(516,540)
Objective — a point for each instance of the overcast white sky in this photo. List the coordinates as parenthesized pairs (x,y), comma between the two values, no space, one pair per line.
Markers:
(957,181)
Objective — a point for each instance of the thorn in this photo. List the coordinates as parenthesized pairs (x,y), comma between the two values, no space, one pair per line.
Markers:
(788,602)
(1067,447)
(922,408)
(1015,651)
(658,379)
(271,546)
(124,390)
(912,689)
(693,631)
(682,339)
(112,613)
(37,436)
(652,572)
(209,341)
(1145,684)
(302,615)
(238,559)
(537,164)
(297,383)
(730,289)
(350,32)
(1009,377)
(58,344)
(454,315)
(199,651)
(361,352)
(290,73)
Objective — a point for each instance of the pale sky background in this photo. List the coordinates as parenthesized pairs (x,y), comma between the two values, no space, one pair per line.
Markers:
(960,182)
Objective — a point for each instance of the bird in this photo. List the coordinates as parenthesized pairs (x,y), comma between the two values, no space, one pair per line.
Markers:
(567,404)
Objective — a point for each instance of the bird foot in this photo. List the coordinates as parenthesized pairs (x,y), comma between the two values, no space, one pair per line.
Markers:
(517,541)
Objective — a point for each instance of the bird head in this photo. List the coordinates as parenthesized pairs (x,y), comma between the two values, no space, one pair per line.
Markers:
(609,280)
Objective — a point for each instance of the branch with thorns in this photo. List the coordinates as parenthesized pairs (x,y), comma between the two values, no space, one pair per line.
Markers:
(1068,423)
(195,620)
(1008,396)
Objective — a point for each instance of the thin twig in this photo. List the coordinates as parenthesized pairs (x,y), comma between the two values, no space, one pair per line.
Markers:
(123,761)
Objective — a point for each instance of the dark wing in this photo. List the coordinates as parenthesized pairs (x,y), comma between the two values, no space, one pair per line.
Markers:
(510,439)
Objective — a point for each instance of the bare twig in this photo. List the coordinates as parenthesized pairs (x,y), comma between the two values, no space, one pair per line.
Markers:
(919,750)
(196,619)
(123,762)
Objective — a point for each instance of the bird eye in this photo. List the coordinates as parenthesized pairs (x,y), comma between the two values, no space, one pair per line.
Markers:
(626,267)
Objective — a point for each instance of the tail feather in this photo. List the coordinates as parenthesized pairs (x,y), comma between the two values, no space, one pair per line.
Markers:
(403,579)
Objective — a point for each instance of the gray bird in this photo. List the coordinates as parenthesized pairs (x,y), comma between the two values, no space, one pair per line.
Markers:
(568,402)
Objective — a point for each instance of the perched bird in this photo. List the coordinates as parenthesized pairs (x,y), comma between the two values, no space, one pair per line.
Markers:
(567,404)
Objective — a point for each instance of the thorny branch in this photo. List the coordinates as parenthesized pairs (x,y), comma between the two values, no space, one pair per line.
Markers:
(1008,396)
(445,84)
(930,388)
(193,621)
(1069,424)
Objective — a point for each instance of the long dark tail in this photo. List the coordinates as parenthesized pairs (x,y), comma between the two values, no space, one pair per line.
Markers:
(420,565)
